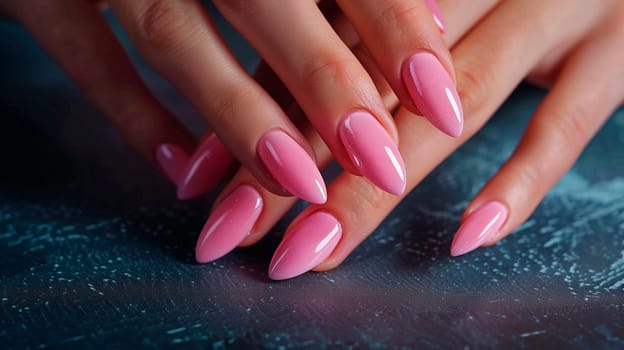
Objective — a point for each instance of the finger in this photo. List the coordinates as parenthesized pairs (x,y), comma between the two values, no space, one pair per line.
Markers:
(328,82)
(180,41)
(463,16)
(275,207)
(486,74)
(409,49)
(217,239)
(79,39)
(245,211)
(588,90)
(205,168)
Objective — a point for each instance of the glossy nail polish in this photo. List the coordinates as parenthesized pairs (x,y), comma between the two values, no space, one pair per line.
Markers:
(305,246)
(434,92)
(478,227)
(436,14)
(291,166)
(230,222)
(205,168)
(373,151)
(172,160)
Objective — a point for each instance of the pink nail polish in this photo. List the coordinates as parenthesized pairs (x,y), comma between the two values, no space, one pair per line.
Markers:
(305,246)
(230,222)
(479,226)
(373,151)
(172,160)
(436,14)
(292,167)
(434,92)
(205,168)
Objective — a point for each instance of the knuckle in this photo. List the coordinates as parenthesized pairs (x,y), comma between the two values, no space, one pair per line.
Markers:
(567,126)
(232,101)
(528,178)
(472,86)
(164,25)
(399,14)
(321,68)
(245,8)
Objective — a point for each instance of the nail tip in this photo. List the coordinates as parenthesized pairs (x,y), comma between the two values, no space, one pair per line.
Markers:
(393,189)
(201,257)
(458,252)
(451,129)
(279,277)
(315,198)
(313,240)
(278,274)
(183,195)
(204,255)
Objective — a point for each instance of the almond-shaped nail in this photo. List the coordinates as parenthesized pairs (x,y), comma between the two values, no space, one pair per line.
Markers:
(436,14)
(478,227)
(292,167)
(373,152)
(230,222)
(205,168)
(433,92)
(305,246)
(172,160)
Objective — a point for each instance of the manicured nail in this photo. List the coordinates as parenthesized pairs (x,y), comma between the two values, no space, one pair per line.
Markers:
(478,227)
(172,160)
(205,168)
(292,167)
(436,14)
(373,151)
(434,92)
(230,222)
(305,246)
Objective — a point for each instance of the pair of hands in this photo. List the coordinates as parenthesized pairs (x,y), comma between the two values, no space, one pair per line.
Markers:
(360,61)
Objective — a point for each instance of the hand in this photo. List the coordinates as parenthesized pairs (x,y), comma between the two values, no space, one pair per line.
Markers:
(574,47)
(178,39)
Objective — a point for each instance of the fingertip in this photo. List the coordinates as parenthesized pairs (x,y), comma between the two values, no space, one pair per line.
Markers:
(480,226)
(172,160)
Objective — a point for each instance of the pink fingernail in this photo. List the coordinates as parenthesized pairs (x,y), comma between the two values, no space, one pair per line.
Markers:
(292,167)
(205,168)
(434,92)
(172,160)
(436,14)
(373,151)
(480,225)
(230,222)
(305,246)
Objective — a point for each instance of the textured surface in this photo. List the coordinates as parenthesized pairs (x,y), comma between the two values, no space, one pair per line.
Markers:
(96,251)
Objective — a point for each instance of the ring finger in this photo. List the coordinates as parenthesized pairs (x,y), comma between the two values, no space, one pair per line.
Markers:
(179,40)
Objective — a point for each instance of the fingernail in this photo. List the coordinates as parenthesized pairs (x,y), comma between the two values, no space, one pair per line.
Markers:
(305,246)
(436,14)
(292,167)
(434,92)
(478,227)
(172,160)
(205,168)
(230,222)
(373,151)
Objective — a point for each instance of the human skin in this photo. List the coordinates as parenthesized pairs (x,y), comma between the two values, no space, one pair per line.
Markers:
(575,48)
(179,40)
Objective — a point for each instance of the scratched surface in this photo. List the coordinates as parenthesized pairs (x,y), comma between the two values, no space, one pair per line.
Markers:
(96,252)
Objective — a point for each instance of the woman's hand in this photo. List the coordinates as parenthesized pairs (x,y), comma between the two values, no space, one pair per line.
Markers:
(577,48)
(178,38)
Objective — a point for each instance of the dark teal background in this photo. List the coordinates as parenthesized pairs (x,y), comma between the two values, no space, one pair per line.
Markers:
(97,253)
